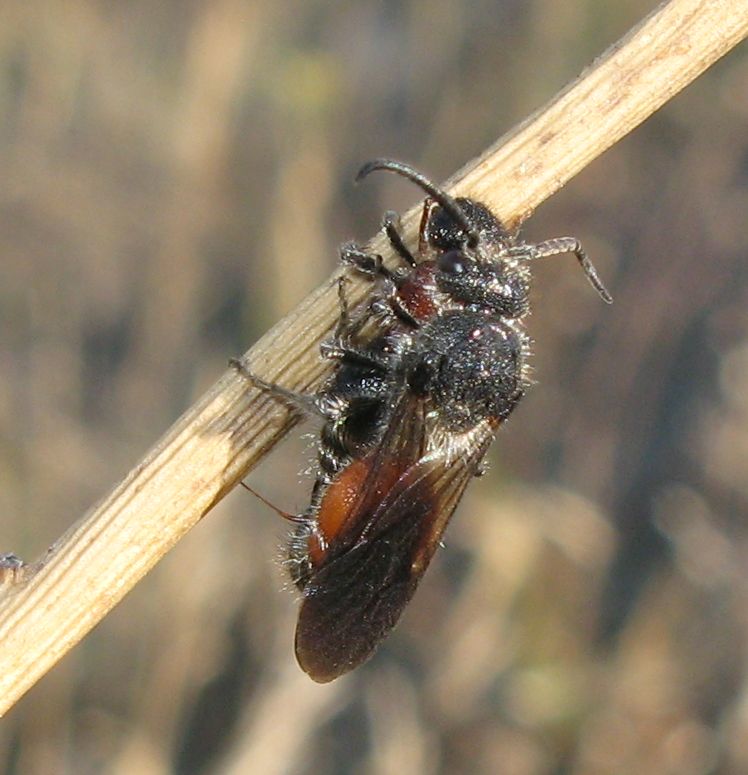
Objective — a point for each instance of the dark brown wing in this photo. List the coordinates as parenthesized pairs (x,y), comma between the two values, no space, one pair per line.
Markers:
(352,601)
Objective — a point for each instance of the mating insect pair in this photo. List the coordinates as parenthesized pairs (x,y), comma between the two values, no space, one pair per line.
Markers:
(408,415)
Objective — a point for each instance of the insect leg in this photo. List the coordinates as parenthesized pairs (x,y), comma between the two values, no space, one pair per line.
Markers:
(302,402)
(341,350)
(370,264)
(423,237)
(558,245)
(346,327)
(340,347)
(391,226)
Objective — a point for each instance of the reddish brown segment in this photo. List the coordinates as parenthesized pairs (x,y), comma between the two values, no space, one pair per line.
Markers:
(379,529)
(342,500)
(356,595)
(335,508)
(416,294)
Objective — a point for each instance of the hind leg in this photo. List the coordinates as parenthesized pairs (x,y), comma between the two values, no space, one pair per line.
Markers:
(302,402)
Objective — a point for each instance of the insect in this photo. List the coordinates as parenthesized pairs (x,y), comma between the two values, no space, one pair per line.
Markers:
(408,415)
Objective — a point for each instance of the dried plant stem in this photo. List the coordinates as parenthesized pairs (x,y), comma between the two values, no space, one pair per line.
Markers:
(49,606)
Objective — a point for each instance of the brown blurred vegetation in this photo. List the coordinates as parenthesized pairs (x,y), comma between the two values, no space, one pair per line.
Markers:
(174,177)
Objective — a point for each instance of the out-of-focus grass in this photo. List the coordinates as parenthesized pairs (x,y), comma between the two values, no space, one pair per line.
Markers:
(175,176)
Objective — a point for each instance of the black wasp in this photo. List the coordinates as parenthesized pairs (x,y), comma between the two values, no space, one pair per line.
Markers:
(408,413)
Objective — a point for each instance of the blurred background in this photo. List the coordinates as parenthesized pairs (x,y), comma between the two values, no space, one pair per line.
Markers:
(175,177)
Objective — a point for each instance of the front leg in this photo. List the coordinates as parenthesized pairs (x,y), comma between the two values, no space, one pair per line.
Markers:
(370,264)
(391,226)
(556,247)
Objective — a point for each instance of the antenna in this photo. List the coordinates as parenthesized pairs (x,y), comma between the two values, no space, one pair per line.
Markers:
(448,202)
(283,514)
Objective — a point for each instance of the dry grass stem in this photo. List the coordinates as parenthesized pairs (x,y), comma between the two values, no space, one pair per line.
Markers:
(50,606)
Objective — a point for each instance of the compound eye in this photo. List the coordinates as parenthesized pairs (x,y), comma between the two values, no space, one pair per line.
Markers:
(454,262)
